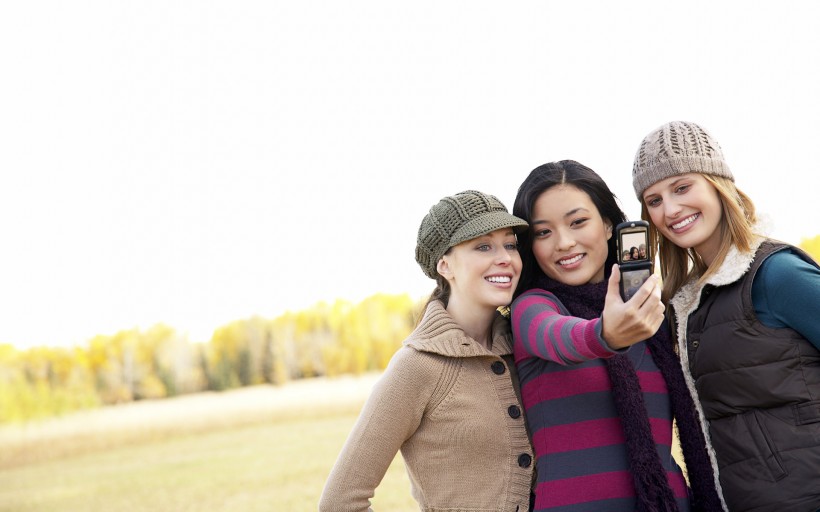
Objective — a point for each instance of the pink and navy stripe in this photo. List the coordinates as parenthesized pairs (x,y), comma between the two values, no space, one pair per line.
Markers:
(582,459)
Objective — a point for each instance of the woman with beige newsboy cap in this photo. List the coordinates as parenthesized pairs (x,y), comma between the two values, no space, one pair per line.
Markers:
(449,398)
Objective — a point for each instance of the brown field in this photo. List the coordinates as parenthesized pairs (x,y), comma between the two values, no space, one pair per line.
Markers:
(253,449)
(258,448)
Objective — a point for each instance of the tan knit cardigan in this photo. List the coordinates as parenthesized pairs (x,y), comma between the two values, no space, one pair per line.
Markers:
(457,418)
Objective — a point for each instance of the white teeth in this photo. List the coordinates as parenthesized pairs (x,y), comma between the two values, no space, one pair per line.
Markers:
(571,260)
(686,221)
(499,279)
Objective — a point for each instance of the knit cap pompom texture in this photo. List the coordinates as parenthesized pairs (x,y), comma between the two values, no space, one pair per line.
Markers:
(678,147)
(458,218)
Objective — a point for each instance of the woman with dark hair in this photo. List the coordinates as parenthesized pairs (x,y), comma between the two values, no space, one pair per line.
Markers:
(600,382)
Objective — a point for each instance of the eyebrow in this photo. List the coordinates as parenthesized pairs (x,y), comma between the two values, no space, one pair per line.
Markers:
(568,214)
(576,210)
(674,183)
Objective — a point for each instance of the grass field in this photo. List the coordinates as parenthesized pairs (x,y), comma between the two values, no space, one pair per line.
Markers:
(261,448)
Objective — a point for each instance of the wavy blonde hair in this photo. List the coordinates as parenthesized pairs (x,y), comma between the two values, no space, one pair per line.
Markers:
(678,265)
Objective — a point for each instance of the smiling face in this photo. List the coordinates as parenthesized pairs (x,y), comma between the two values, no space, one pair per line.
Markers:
(569,236)
(483,271)
(687,211)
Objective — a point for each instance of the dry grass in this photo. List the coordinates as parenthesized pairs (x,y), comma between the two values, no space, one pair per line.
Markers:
(260,448)
(153,420)
(253,449)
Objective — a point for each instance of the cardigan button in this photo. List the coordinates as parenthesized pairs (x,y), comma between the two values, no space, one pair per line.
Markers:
(524,460)
(514,411)
(695,344)
(498,368)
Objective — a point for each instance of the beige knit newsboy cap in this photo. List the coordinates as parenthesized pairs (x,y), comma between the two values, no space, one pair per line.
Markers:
(458,218)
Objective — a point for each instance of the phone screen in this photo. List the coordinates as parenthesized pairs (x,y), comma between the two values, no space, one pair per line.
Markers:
(633,256)
(633,244)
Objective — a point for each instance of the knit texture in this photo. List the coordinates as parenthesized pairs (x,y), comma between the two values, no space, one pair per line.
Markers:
(678,147)
(614,409)
(456,219)
(451,407)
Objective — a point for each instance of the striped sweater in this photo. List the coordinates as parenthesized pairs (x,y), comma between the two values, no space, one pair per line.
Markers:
(578,438)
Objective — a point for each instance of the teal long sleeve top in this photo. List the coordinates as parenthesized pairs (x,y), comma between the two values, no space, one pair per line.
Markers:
(786,293)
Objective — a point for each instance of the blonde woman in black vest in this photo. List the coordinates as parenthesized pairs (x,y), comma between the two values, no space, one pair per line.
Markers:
(745,308)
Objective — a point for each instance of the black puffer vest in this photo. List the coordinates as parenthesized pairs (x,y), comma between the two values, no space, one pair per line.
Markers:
(759,388)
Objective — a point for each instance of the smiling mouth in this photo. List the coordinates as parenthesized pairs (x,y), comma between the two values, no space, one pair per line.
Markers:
(685,222)
(570,261)
(499,279)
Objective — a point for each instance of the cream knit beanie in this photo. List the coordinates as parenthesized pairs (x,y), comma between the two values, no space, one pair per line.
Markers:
(678,147)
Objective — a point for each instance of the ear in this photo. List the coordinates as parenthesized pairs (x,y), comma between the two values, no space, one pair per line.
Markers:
(608,229)
(443,268)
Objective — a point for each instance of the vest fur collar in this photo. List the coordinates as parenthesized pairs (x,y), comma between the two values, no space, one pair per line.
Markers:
(686,301)
(733,268)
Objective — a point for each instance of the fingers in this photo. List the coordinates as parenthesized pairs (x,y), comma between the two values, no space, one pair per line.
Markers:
(639,318)
(648,301)
(655,309)
(647,290)
(614,285)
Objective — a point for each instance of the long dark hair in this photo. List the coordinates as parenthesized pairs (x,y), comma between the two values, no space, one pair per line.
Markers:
(541,179)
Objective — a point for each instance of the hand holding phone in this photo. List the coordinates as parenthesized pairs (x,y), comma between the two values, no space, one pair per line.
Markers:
(632,242)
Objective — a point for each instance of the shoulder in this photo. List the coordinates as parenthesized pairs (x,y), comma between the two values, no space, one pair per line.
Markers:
(411,361)
(784,253)
(421,369)
(786,267)
(537,296)
(411,377)
(789,256)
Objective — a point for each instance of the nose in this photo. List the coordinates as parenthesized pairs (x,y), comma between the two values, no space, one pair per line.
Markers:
(565,240)
(503,257)
(671,208)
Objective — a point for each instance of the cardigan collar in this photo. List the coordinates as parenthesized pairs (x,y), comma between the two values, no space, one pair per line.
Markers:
(438,333)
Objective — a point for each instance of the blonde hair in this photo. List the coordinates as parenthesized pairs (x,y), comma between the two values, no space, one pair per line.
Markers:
(678,265)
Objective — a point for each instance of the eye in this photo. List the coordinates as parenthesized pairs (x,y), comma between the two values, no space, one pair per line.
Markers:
(579,222)
(541,233)
(653,201)
(682,189)
(511,246)
(483,247)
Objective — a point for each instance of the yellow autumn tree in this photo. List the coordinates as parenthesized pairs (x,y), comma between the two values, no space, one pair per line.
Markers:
(812,246)
(133,364)
(43,381)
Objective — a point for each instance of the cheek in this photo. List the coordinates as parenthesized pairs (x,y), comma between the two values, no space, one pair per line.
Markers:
(541,250)
(715,204)
(515,259)
(656,216)
(543,258)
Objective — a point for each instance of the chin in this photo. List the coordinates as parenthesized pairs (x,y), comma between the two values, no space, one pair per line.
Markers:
(580,280)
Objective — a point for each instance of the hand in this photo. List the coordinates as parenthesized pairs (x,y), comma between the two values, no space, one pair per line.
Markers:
(627,323)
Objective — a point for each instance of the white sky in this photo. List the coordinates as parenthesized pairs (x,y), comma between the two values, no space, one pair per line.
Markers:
(198,162)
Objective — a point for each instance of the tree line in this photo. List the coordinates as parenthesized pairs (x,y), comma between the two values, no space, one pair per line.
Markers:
(325,340)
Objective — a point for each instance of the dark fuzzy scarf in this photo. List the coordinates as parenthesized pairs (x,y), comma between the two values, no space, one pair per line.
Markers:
(651,485)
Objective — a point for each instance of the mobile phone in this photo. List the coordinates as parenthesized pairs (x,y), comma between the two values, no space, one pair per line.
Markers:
(632,242)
